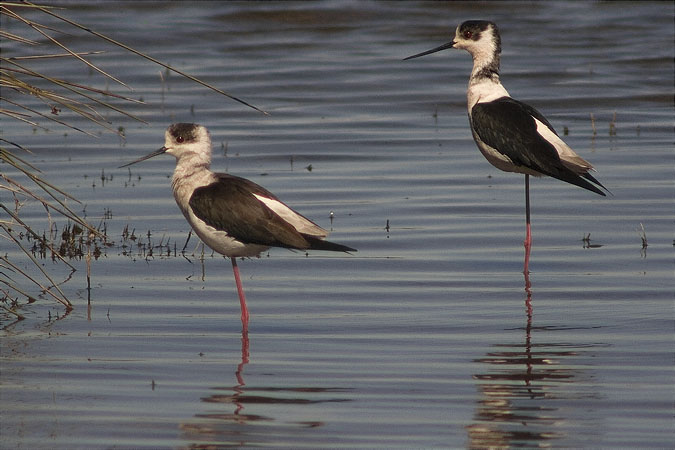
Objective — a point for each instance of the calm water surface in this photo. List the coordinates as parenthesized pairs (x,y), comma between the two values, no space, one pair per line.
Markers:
(421,339)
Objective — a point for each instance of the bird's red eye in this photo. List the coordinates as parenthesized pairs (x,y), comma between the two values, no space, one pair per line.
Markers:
(467,35)
(180,139)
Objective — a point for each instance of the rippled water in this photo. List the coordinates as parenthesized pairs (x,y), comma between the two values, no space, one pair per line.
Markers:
(424,337)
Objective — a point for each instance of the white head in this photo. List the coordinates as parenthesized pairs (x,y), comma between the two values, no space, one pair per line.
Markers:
(478,37)
(187,142)
(481,39)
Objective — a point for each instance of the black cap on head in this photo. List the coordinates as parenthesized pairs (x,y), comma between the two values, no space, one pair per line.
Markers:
(183,132)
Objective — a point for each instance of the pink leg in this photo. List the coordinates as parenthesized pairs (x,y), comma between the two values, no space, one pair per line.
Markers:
(528,246)
(528,236)
(242,297)
(244,360)
(528,232)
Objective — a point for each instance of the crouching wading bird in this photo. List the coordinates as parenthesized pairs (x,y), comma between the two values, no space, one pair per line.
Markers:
(512,135)
(232,215)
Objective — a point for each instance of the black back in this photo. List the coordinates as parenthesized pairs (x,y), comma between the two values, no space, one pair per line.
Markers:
(229,205)
(508,126)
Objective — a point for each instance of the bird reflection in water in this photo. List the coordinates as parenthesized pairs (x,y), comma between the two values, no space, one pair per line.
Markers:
(521,391)
(224,428)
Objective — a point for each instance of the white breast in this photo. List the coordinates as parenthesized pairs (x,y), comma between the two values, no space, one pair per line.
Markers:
(185,180)
(484,91)
(220,241)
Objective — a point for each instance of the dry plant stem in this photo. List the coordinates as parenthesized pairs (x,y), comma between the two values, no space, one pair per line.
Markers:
(65,101)
(37,113)
(18,316)
(64,301)
(79,99)
(66,211)
(25,149)
(143,55)
(14,37)
(61,299)
(12,159)
(37,27)
(36,236)
(25,71)
(55,55)
(11,285)
(30,193)
(88,274)
(19,116)
(643,235)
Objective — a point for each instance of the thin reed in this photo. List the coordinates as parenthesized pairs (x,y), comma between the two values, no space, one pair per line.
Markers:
(21,85)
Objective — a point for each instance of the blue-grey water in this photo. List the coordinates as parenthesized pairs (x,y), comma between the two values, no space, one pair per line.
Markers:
(425,338)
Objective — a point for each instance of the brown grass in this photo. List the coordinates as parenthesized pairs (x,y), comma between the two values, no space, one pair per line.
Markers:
(56,94)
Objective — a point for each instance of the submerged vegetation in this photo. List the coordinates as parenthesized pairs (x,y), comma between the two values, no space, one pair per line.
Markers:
(21,87)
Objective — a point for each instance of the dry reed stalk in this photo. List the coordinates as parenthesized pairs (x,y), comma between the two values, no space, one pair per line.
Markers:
(56,94)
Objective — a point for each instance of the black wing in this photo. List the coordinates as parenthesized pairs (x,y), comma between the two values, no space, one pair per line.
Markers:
(229,205)
(508,126)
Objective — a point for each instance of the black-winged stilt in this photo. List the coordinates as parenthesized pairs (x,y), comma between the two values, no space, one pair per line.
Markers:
(512,135)
(232,215)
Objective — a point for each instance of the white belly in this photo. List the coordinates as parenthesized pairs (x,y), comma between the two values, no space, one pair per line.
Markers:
(221,242)
(500,161)
(217,240)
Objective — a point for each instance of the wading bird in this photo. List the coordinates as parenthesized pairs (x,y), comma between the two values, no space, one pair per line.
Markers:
(232,215)
(512,135)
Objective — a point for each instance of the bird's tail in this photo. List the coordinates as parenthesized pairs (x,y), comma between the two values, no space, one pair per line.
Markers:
(592,179)
(319,244)
(584,180)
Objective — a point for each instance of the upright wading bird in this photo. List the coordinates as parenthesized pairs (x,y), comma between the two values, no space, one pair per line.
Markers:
(512,135)
(232,215)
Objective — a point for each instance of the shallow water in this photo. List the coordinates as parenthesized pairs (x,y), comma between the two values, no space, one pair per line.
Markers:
(423,337)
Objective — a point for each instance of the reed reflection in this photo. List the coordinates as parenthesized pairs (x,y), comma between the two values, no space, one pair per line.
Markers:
(521,388)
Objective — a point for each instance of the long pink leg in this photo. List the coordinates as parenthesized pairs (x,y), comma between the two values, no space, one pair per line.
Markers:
(244,360)
(242,297)
(528,233)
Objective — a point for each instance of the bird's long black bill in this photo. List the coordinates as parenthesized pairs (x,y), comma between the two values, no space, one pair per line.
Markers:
(151,155)
(433,50)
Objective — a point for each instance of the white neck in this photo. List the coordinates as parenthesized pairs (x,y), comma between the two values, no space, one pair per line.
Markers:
(190,162)
(484,84)
(191,172)
(483,90)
